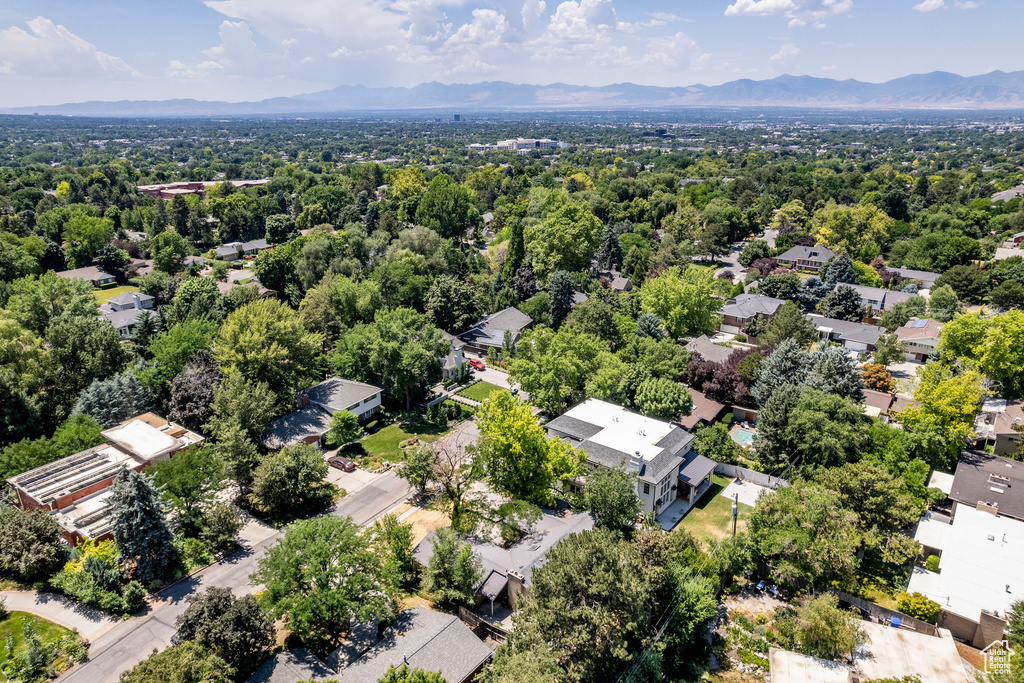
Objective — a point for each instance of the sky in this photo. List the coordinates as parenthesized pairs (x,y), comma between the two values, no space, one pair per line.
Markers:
(246,50)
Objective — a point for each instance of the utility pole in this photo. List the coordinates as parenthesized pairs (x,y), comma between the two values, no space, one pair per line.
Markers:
(735,512)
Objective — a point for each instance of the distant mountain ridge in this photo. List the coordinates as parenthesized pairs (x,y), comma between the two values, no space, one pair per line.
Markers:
(936,90)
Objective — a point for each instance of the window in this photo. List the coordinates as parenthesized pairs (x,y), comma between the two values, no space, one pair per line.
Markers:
(647,489)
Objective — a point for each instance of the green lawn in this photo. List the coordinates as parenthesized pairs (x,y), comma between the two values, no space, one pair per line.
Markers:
(13,626)
(383,444)
(478,391)
(102,295)
(711,518)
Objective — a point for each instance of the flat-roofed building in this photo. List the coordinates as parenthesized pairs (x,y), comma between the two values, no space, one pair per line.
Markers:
(74,488)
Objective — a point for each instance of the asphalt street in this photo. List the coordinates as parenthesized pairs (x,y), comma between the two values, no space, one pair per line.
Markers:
(132,640)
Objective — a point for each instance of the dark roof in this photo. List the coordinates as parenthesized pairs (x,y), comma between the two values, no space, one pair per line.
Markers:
(878,399)
(974,482)
(490,331)
(804,253)
(292,666)
(573,427)
(924,276)
(748,305)
(255,244)
(887,297)
(296,426)
(525,556)
(695,468)
(704,409)
(708,349)
(846,329)
(336,393)
(424,639)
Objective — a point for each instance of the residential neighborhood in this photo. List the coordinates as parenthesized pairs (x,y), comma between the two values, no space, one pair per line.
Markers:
(511,397)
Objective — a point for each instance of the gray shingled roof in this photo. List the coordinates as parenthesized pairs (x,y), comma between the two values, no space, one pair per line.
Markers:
(573,427)
(129,298)
(125,318)
(973,483)
(491,330)
(296,426)
(803,253)
(888,297)
(926,277)
(424,639)
(695,468)
(292,666)
(845,329)
(337,393)
(708,349)
(749,305)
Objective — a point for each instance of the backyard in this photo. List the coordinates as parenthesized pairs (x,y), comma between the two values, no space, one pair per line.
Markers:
(103,295)
(478,391)
(711,517)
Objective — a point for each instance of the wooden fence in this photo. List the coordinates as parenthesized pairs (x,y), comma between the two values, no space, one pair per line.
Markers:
(481,627)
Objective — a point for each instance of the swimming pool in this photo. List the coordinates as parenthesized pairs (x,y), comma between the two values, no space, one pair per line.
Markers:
(744,437)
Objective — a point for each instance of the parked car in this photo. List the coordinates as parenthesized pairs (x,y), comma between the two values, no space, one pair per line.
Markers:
(343,464)
(477,364)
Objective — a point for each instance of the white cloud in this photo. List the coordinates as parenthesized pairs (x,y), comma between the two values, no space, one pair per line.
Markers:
(830,67)
(967,4)
(583,20)
(799,12)
(787,51)
(929,5)
(676,52)
(49,50)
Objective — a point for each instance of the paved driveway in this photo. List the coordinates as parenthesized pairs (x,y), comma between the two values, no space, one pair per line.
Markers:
(60,610)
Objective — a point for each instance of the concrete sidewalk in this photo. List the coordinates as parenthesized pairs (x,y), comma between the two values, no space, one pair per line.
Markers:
(61,610)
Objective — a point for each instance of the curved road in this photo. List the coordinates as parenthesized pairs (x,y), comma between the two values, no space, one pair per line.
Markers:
(132,640)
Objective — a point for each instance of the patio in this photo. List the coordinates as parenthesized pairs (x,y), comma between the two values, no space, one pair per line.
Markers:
(677,509)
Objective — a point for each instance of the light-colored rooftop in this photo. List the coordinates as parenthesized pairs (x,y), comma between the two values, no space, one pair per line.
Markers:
(791,667)
(941,481)
(982,562)
(89,516)
(142,439)
(74,473)
(896,653)
(622,430)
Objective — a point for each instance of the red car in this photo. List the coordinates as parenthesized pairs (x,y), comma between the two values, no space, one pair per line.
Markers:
(343,464)
(477,364)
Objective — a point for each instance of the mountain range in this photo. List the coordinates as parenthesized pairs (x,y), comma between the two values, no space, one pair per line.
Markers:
(936,90)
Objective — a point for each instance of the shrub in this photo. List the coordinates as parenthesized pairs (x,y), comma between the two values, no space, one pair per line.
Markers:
(82,586)
(932,563)
(134,596)
(918,606)
(193,553)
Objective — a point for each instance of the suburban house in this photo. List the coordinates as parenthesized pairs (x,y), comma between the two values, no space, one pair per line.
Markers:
(507,571)
(311,420)
(75,489)
(453,362)
(293,666)
(980,547)
(254,247)
(1015,239)
(421,639)
(92,274)
(232,251)
(615,280)
(123,311)
(925,278)
(489,333)
(708,349)
(877,299)
(855,336)
(1003,253)
(671,476)
(877,403)
(805,258)
(995,425)
(261,291)
(705,411)
(736,313)
(1007,195)
(199,187)
(920,336)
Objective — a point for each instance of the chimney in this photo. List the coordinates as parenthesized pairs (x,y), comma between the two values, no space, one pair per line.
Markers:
(136,301)
(636,461)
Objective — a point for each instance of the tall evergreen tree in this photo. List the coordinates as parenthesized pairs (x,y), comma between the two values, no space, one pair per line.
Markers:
(609,255)
(516,250)
(560,288)
(139,525)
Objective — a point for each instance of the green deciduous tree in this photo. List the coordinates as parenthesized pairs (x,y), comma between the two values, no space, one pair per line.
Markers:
(293,480)
(553,367)
(321,577)
(451,305)
(454,568)
(447,208)
(344,429)
(663,399)
(789,322)
(943,303)
(190,482)
(187,663)
(824,630)
(242,405)
(169,250)
(37,300)
(406,675)
(266,342)
(564,241)
(139,526)
(947,401)
(31,546)
(519,460)
(685,301)
(237,629)
(610,495)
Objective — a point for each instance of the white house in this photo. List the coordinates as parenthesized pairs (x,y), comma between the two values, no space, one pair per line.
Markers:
(657,452)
